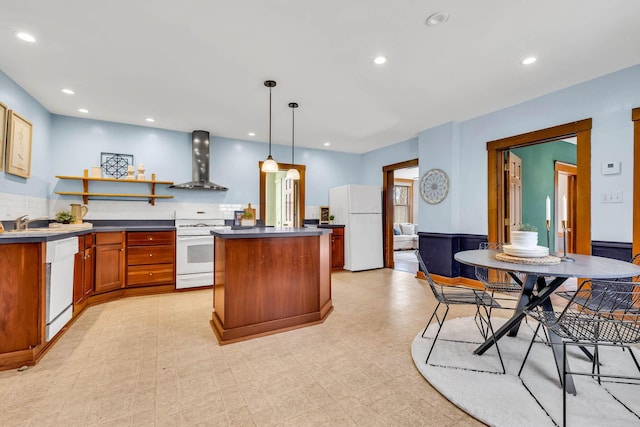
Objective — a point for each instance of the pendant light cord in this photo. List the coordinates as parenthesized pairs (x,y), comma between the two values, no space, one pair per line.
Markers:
(269,121)
(293,130)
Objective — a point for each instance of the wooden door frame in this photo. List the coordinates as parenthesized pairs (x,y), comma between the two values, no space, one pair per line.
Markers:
(582,131)
(387,207)
(263,183)
(635,117)
(569,170)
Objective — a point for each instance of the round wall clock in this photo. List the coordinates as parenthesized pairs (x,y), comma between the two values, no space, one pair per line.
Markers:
(434,186)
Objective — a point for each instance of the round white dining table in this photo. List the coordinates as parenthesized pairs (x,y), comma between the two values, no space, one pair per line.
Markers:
(580,266)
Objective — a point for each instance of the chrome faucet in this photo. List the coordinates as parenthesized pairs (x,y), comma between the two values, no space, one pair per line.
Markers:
(22,222)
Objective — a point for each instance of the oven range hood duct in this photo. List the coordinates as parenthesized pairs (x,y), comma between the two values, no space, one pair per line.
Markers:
(200,164)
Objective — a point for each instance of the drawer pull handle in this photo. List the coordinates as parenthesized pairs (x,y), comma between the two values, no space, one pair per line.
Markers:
(150,254)
(150,238)
(150,274)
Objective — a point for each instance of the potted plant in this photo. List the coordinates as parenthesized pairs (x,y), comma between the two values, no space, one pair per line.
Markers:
(65,217)
(525,237)
(331,218)
(247,219)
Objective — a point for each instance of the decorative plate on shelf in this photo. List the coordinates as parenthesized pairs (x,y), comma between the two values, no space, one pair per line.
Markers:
(434,186)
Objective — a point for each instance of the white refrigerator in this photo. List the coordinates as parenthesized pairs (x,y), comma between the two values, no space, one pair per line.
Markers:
(359,208)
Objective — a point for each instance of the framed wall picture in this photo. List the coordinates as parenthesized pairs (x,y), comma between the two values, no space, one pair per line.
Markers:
(324,214)
(3,132)
(19,133)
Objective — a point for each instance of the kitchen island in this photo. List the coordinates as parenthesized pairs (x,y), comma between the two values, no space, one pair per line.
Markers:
(269,280)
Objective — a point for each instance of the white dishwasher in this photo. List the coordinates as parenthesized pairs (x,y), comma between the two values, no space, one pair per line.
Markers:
(60,260)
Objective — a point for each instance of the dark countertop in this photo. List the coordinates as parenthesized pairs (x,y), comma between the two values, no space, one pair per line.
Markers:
(268,232)
(9,237)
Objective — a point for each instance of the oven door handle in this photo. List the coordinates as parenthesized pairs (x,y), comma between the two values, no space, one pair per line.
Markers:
(192,237)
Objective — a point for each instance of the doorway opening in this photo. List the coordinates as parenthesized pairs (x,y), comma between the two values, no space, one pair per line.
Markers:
(399,202)
(282,200)
(498,184)
(566,185)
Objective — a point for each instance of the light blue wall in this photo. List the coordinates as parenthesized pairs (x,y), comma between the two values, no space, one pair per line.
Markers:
(373,161)
(439,149)
(15,98)
(460,149)
(608,100)
(234,163)
(64,145)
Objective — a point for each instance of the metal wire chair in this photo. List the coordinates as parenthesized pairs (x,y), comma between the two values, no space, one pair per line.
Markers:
(600,312)
(459,295)
(498,280)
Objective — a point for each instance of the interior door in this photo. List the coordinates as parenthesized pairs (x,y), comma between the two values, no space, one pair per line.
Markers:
(513,194)
(289,207)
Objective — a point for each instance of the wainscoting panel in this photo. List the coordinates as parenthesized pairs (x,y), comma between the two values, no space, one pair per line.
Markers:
(438,249)
(616,250)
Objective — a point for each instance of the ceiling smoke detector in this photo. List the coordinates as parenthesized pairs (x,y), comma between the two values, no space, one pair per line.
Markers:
(437,19)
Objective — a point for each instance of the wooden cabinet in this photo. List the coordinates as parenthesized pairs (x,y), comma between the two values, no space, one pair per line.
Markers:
(109,261)
(83,280)
(151,258)
(22,302)
(337,246)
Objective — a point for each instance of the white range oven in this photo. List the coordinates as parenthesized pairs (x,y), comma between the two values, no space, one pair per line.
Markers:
(194,247)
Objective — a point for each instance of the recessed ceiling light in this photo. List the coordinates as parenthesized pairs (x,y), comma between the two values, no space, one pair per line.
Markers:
(437,19)
(68,91)
(26,37)
(252,134)
(528,61)
(83,110)
(379,60)
(326,144)
(150,119)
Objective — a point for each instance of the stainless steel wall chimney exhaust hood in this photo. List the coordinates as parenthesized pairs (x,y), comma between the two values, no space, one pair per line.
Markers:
(200,164)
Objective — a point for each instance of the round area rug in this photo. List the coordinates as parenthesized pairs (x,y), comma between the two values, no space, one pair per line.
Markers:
(503,400)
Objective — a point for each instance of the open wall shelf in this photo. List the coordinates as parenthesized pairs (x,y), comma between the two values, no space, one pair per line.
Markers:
(86,194)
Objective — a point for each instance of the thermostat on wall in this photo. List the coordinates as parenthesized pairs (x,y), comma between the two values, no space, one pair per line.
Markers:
(610,168)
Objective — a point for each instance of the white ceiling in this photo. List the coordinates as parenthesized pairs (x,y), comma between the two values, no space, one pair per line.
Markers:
(197,64)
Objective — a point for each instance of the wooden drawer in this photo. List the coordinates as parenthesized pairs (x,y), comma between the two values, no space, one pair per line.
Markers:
(338,231)
(139,255)
(109,238)
(138,238)
(145,275)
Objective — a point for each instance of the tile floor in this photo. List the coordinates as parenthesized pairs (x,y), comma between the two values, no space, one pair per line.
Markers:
(148,361)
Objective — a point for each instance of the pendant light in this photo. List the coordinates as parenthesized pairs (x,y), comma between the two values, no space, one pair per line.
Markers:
(269,165)
(293,173)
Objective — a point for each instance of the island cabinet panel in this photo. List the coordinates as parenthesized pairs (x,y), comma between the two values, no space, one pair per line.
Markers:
(110,261)
(22,302)
(151,257)
(267,284)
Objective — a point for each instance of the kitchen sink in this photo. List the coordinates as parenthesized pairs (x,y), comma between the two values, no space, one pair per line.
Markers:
(39,230)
